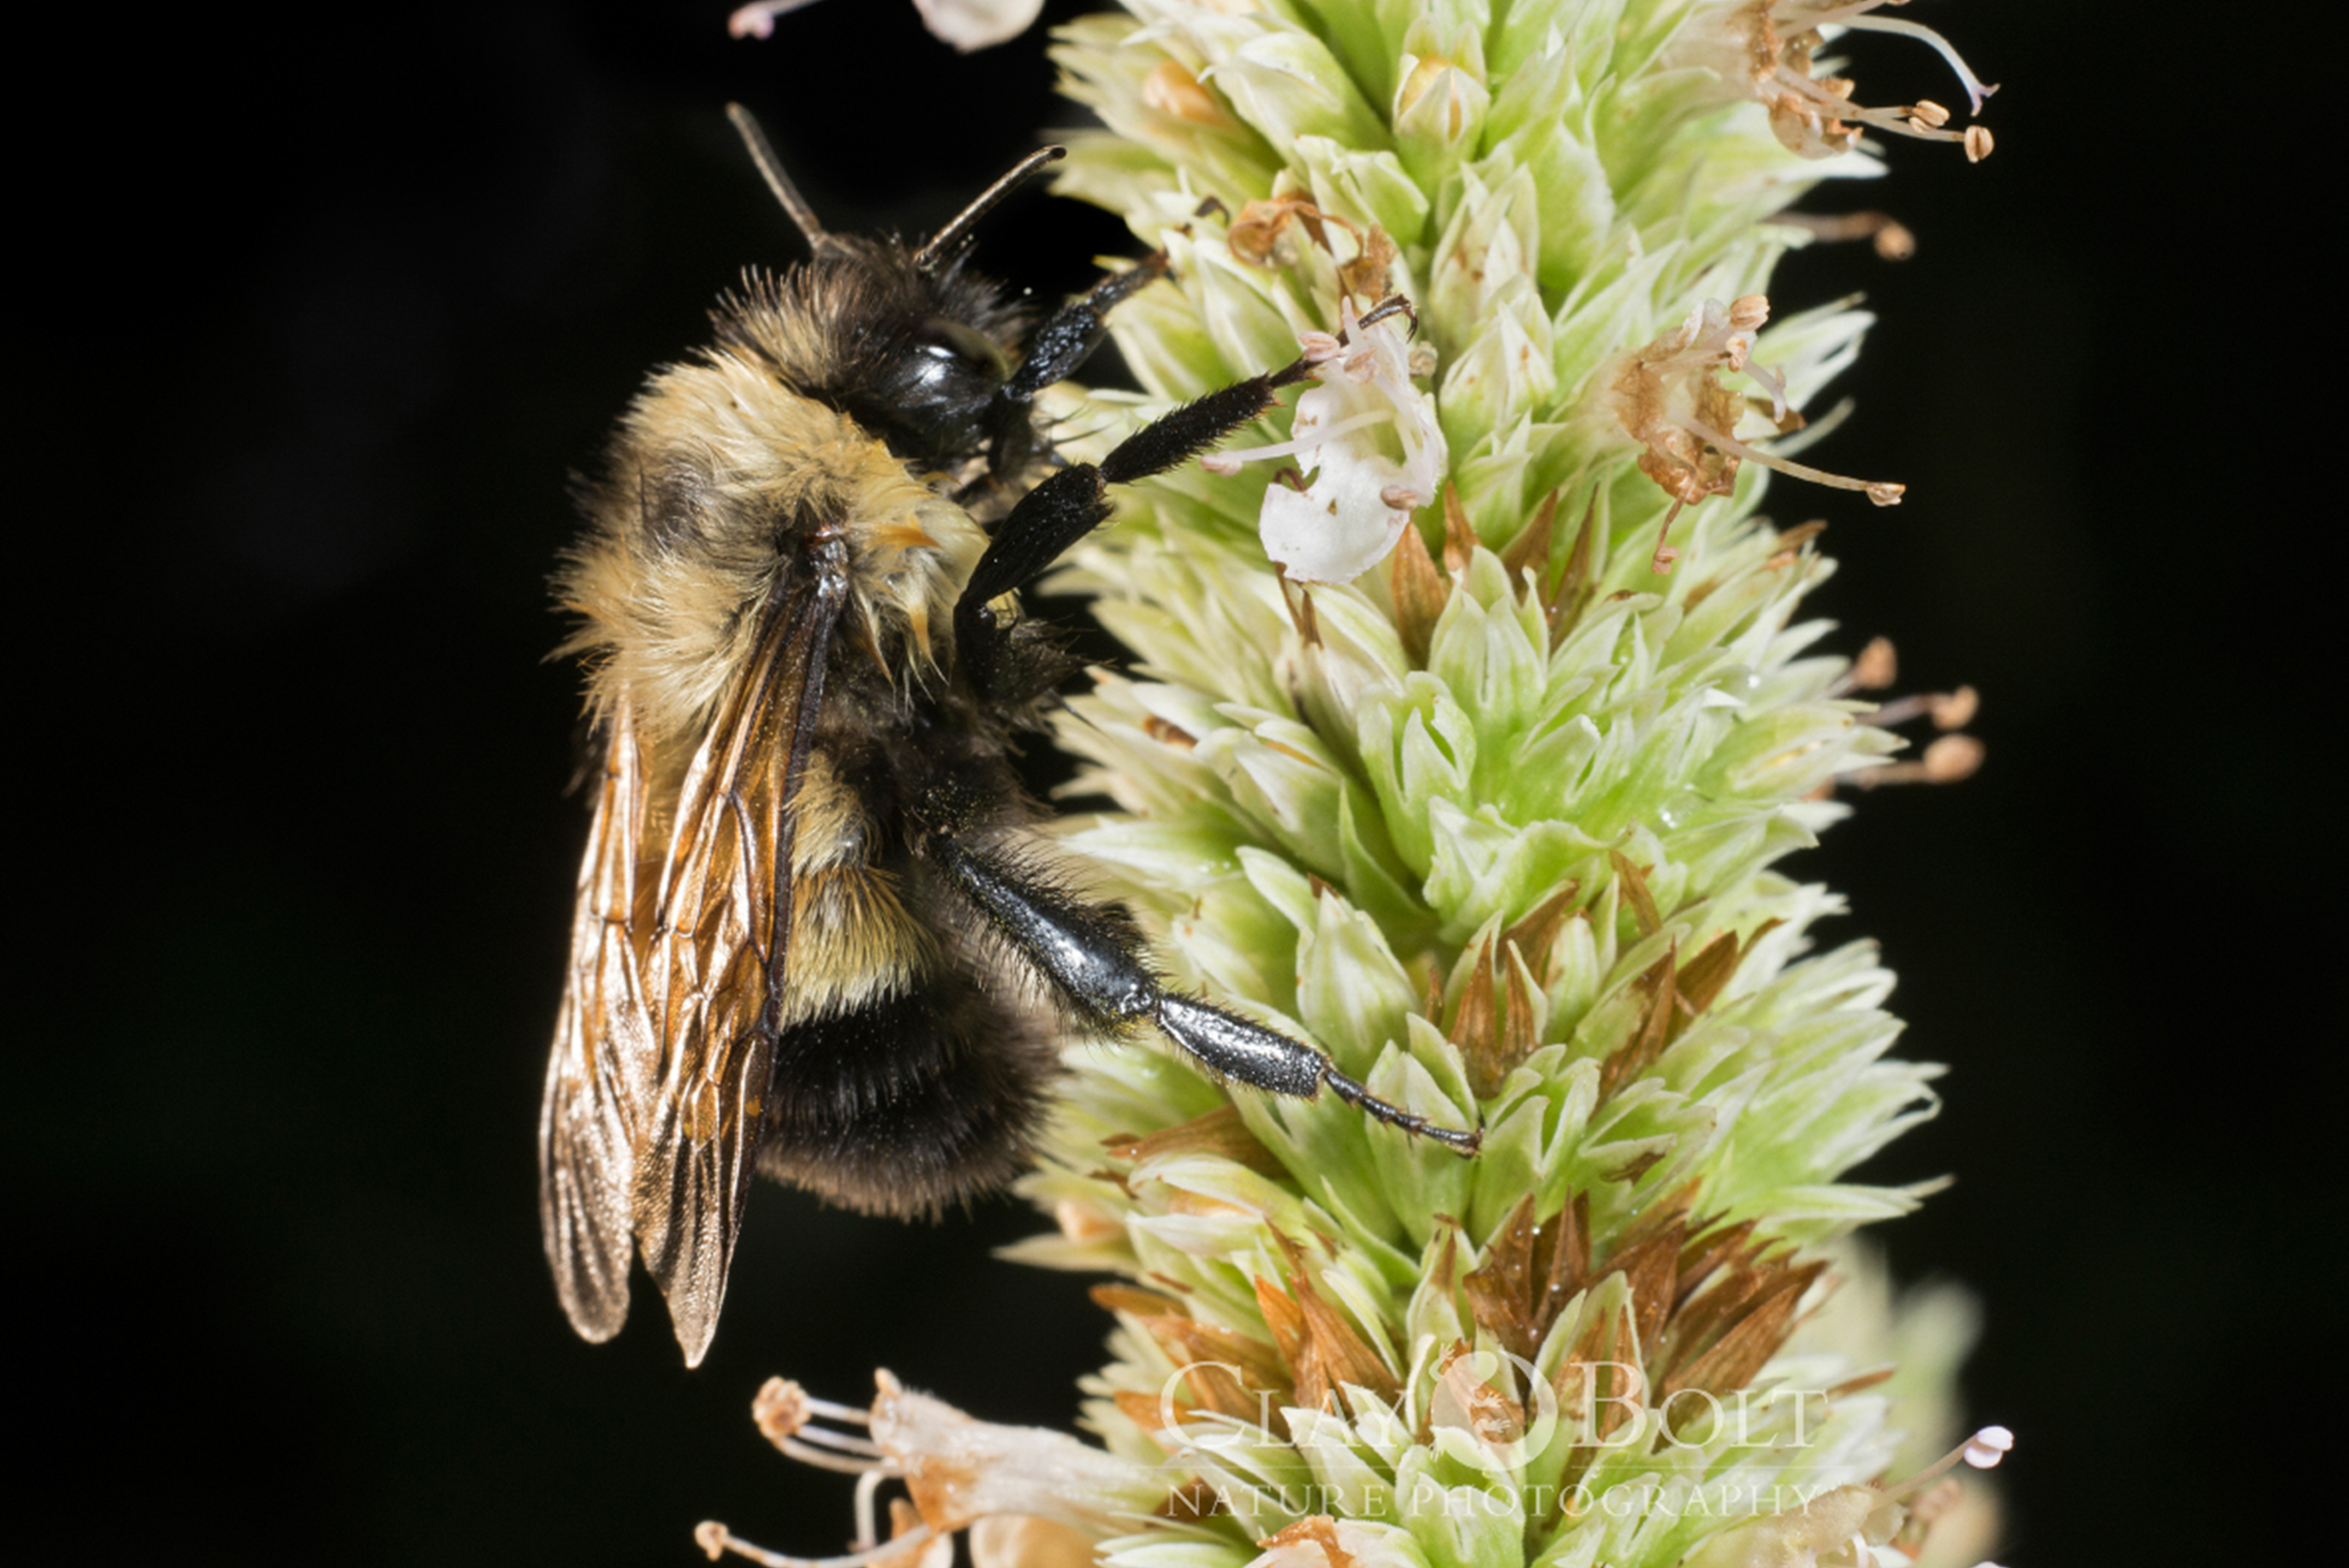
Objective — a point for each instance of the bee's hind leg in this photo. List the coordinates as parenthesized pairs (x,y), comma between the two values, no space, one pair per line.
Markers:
(1093,955)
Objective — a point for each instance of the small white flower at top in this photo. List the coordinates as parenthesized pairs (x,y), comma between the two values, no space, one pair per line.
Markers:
(968,24)
(1346,432)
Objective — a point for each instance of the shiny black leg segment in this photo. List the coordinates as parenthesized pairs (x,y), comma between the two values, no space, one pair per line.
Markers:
(1093,955)
(1072,503)
(1070,335)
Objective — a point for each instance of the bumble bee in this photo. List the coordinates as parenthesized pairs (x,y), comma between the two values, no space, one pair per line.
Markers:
(816,934)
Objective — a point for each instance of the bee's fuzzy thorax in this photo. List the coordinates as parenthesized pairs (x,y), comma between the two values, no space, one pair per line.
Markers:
(718,469)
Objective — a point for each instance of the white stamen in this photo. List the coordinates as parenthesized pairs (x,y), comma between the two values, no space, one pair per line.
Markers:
(1976,88)
(715,1539)
(868,1487)
(1310,435)
(1986,1447)
(808,1454)
(1884,492)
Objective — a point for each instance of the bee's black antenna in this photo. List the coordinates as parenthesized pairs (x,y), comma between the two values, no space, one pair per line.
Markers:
(949,240)
(770,168)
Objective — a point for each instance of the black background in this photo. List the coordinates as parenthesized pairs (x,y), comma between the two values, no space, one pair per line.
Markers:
(328,306)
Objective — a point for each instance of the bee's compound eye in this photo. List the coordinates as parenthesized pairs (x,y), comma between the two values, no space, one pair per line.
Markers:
(943,334)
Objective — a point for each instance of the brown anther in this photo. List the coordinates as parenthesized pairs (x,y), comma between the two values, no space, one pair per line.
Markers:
(1953,757)
(1950,758)
(780,1410)
(1978,143)
(1661,562)
(1885,493)
(1892,241)
(1878,666)
(1925,113)
(1749,312)
(711,1537)
(1956,710)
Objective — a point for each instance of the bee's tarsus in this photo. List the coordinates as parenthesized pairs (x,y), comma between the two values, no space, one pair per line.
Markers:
(1371,1105)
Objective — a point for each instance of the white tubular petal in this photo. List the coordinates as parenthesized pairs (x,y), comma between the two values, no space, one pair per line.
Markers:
(1316,539)
(1345,431)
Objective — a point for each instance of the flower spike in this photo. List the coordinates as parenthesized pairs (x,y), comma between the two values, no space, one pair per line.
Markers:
(1512,825)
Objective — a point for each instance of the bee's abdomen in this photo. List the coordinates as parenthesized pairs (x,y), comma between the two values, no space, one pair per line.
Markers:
(922,1096)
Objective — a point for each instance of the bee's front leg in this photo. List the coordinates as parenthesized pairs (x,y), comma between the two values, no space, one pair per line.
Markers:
(1072,503)
(1093,955)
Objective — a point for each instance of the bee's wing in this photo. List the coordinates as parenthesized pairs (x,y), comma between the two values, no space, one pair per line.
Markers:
(718,959)
(600,1074)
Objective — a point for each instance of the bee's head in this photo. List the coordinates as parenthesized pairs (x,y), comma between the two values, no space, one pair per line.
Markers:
(918,357)
(902,340)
